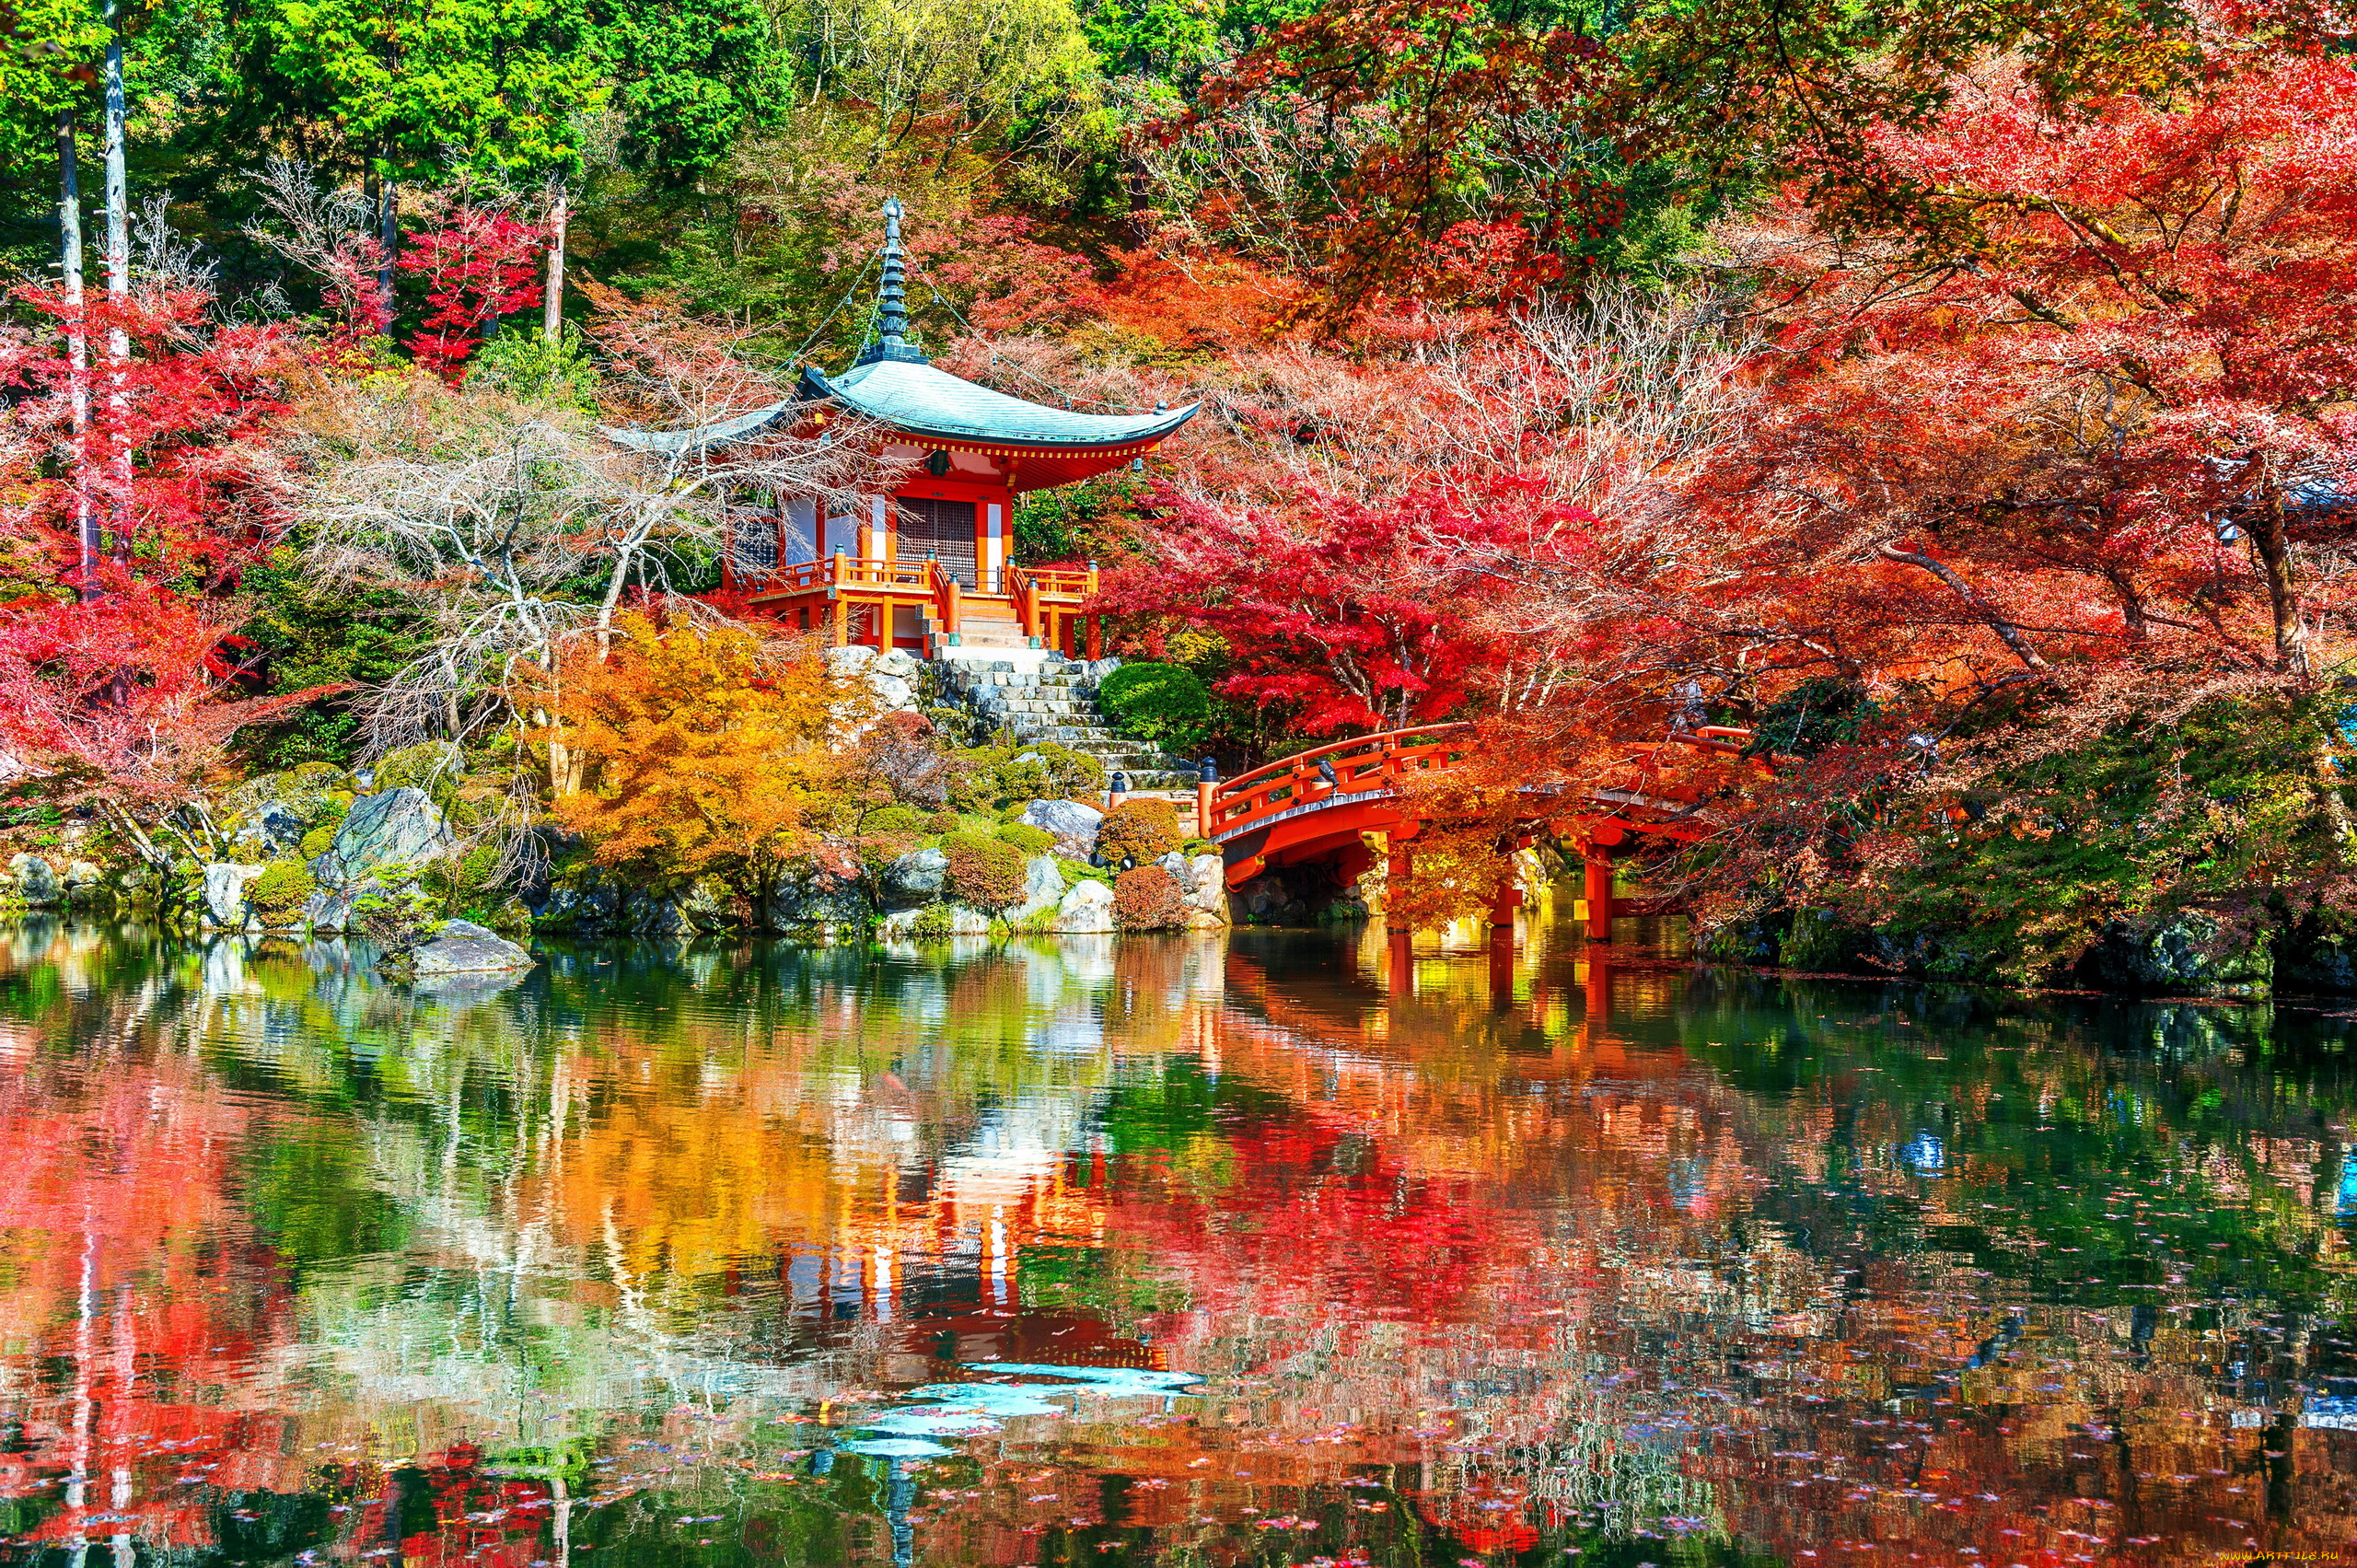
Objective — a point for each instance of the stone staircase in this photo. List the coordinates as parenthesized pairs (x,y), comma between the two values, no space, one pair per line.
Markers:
(1039,695)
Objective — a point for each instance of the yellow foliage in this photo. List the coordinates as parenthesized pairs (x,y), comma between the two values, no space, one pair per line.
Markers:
(704,752)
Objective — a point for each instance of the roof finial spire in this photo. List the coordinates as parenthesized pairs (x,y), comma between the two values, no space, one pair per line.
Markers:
(892,299)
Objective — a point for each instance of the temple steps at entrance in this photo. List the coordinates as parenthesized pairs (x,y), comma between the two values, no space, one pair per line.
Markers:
(1038,696)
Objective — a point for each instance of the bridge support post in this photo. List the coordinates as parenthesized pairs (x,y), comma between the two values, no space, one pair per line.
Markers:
(1403,976)
(1597,889)
(1397,871)
(1502,903)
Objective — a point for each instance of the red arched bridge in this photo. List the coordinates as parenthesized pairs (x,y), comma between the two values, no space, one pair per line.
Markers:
(1318,807)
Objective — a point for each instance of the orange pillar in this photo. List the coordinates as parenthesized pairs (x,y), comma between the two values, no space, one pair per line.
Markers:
(1096,637)
(1402,977)
(1203,807)
(1597,889)
(1396,874)
(1502,903)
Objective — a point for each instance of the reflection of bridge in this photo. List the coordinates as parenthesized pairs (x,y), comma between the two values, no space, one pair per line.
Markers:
(1327,805)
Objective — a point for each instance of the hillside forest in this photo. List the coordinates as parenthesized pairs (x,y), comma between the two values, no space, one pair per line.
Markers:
(1957,401)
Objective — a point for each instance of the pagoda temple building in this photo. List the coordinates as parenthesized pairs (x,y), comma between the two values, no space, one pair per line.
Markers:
(929,567)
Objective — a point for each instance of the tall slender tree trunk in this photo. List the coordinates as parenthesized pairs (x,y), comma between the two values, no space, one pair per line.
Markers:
(552,296)
(118,298)
(389,226)
(77,350)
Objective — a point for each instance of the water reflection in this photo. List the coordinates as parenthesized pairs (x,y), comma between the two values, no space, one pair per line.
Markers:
(1278,1247)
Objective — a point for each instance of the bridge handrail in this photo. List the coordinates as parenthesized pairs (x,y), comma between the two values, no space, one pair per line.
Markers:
(1270,790)
(1267,790)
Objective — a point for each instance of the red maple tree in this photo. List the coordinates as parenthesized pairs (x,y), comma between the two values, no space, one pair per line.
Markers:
(479,265)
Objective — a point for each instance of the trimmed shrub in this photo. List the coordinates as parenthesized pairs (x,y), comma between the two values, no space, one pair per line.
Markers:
(1147,898)
(931,924)
(1027,839)
(983,872)
(1167,703)
(1141,829)
(896,822)
(279,894)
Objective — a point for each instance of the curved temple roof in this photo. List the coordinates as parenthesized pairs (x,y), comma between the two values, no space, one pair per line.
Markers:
(896,385)
(928,402)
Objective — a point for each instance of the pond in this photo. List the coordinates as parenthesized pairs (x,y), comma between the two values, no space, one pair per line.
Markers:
(1255,1247)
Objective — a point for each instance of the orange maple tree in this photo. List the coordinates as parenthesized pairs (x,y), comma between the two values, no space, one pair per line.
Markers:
(706,752)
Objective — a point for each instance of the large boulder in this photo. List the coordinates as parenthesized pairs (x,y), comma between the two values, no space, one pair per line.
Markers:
(2190,951)
(1202,883)
(329,910)
(1087,908)
(815,901)
(393,826)
(225,894)
(463,947)
(36,880)
(1043,893)
(915,880)
(282,827)
(1073,823)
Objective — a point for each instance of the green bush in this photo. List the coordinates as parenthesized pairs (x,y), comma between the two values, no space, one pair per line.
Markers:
(896,822)
(397,915)
(1027,839)
(322,836)
(992,778)
(279,894)
(1165,704)
(1141,829)
(519,361)
(433,766)
(931,924)
(984,872)
(1147,898)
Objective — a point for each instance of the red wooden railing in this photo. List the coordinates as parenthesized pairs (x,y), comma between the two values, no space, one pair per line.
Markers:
(1375,764)
(1370,763)
(1047,598)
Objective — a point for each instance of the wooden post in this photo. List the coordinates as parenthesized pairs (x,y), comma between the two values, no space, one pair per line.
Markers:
(728,552)
(1597,888)
(1204,789)
(1397,871)
(1502,903)
(949,608)
(1096,634)
(835,572)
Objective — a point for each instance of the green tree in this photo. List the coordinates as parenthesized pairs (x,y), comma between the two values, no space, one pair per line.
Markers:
(410,90)
(687,77)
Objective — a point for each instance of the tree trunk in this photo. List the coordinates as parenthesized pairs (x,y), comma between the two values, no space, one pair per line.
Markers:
(2270,542)
(117,296)
(552,296)
(389,228)
(77,350)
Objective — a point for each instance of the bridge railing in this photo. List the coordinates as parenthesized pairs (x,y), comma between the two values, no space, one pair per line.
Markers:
(1375,764)
(1368,764)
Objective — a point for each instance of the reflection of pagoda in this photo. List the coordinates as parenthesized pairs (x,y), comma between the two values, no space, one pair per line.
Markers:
(930,566)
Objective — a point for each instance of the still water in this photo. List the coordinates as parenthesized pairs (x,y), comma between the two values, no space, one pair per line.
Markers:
(1206,1250)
